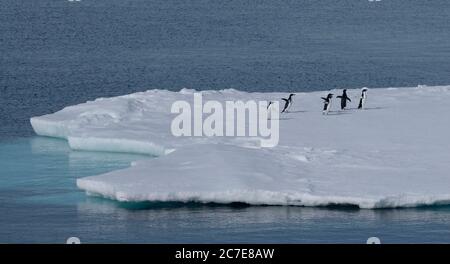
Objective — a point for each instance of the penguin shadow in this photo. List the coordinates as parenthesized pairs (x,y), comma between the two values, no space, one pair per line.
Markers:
(374,108)
(298,111)
(281,118)
(339,113)
(367,108)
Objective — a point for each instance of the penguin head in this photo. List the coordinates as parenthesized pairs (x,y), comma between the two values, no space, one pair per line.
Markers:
(330,95)
(291,95)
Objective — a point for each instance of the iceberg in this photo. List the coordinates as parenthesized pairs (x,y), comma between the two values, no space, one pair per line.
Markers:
(394,153)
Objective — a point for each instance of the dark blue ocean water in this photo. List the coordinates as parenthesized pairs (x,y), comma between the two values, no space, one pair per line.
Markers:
(55,53)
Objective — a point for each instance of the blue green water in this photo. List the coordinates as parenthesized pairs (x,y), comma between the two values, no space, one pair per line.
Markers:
(39,203)
(55,53)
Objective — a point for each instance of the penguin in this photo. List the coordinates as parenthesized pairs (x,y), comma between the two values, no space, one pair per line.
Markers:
(269,110)
(362,100)
(344,99)
(327,103)
(287,103)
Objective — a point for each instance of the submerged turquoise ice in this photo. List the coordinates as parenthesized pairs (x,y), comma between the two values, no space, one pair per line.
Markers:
(44,170)
(39,203)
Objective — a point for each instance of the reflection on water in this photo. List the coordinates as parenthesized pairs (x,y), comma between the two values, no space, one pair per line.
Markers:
(265,224)
(40,203)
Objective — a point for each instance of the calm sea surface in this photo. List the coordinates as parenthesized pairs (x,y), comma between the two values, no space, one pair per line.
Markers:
(55,53)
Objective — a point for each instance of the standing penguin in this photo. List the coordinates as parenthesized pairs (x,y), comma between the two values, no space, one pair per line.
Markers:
(287,103)
(362,100)
(327,103)
(269,110)
(344,99)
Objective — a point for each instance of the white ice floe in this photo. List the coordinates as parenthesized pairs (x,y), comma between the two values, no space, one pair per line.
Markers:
(395,153)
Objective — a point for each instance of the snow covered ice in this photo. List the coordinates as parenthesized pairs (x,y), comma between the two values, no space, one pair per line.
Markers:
(394,153)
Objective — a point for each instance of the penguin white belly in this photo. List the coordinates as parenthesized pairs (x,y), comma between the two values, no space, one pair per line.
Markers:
(289,106)
(328,107)
(269,112)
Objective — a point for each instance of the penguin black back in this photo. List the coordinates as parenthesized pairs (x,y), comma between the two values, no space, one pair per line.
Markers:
(326,103)
(287,102)
(362,99)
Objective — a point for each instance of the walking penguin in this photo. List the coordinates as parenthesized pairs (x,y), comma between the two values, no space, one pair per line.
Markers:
(269,110)
(362,100)
(344,99)
(287,103)
(327,103)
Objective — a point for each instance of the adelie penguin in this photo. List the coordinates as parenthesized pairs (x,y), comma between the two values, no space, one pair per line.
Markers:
(287,103)
(362,100)
(269,110)
(344,99)
(327,103)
